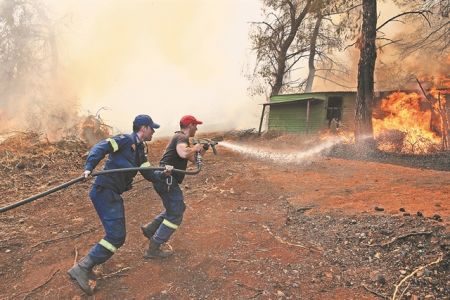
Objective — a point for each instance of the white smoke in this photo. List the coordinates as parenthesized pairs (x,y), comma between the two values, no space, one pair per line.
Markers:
(162,58)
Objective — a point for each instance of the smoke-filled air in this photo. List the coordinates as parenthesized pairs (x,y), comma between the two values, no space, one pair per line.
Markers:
(117,59)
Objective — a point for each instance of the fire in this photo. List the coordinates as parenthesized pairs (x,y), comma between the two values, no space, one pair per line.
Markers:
(344,135)
(408,123)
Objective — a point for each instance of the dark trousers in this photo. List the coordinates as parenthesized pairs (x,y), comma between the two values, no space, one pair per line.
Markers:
(110,209)
(171,217)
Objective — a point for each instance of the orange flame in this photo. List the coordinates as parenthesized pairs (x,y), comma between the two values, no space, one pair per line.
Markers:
(407,124)
(346,136)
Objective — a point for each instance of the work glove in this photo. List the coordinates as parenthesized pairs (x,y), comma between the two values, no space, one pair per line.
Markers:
(86,173)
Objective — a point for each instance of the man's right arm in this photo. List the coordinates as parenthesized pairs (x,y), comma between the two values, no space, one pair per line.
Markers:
(99,151)
(188,153)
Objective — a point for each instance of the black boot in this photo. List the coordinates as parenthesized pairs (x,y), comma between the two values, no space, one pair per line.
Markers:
(154,251)
(149,229)
(82,273)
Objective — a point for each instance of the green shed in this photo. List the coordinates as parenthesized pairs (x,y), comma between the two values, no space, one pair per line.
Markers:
(309,112)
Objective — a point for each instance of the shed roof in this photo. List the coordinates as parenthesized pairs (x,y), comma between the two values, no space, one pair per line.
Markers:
(306,96)
(313,100)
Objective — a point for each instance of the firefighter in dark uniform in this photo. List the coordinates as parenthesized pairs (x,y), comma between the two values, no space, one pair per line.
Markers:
(177,154)
(125,151)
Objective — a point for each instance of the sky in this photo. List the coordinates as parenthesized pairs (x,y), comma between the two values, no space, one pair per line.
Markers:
(165,58)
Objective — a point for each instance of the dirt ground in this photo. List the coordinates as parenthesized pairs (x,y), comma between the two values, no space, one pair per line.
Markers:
(328,228)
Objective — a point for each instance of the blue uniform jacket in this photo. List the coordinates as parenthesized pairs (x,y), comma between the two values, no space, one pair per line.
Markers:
(124,152)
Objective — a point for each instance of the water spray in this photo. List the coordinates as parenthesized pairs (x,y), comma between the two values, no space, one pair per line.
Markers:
(291,157)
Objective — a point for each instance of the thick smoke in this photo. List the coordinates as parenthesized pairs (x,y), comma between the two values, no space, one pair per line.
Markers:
(34,93)
(163,58)
(410,47)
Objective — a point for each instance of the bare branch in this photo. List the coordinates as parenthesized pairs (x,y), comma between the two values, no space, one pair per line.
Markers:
(351,45)
(264,23)
(277,18)
(422,41)
(295,61)
(420,12)
(389,43)
(344,11)
(289,56)
(295,69)
(333,70)
(337,83)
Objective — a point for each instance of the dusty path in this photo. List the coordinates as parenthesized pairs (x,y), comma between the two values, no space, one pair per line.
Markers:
(241,238)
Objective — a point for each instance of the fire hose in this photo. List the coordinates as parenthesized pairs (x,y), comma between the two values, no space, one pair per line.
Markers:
(82,178)
(199,163)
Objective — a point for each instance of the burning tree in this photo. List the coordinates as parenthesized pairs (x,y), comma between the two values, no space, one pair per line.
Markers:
(366,68)
(438,106)
(426,10)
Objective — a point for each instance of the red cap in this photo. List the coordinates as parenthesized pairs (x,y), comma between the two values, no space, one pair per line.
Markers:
(188,119)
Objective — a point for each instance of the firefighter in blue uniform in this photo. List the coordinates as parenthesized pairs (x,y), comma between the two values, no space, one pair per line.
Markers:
(177,154)
(125,151)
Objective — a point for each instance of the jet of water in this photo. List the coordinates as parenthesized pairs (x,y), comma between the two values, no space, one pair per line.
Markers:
(288,157)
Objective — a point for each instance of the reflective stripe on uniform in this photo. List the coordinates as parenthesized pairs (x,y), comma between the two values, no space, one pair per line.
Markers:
(108,245)
(113,144)
(146,164)
(170,224)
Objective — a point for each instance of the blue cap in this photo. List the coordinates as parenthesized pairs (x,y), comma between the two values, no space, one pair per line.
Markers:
(144,120)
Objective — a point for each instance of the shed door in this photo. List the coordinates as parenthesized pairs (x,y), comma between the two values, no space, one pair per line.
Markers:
(334,109)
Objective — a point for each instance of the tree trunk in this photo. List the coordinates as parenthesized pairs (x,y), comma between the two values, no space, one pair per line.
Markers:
(366,67)
(279,77)
(295,24)
(312,55)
